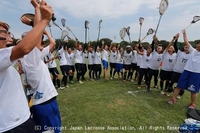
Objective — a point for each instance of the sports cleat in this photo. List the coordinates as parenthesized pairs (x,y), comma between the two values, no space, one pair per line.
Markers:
(139,87)
(178,97)
(71,82)
(155,86)
(191,106)
(80,82)
(61,88)
(168,94)
(111,78)
(162,92)
(66,86)
(132,80)
(171,101)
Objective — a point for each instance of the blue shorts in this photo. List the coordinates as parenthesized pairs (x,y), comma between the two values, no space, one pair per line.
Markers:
(105,64)
(119,67)
(47,116)
(189,81)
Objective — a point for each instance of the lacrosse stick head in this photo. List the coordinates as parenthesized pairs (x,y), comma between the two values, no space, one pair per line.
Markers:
(163,6)
(141,19)
(195,19)
(100,21)
(122,33)
(86,24)
(63,22)
(150,31)
(128,30)
(63,35)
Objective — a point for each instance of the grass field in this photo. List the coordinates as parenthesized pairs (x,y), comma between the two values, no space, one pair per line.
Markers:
(111,106)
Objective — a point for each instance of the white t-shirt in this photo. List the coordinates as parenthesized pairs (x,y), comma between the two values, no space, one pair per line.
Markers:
(155,60)
(97,58)
(52,63)
(38,77)
(91,58)
(78,56)
(139,58)
(69,58)
(104,55)
(127,58)
(168,61)
(193,63)
(14,109)
(134,57)
(61,57)
(113,56)
(84,56)
(119,59)
(145,60)
(181,61)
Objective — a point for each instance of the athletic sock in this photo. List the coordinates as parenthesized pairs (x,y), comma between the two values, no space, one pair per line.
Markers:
(58,82)
(125,75)
(54,81)
(161,85)
(110,73)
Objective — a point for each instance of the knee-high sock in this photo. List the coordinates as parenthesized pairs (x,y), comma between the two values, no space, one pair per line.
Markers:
(58,82)
(161,85)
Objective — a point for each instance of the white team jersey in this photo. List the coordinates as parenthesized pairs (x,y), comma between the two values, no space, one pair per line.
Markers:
(181,61)
(119,58)
(84,56)
(91,58)
(78,56)
(134,57)
(145,60)
(52,63)
(127,58)
(155,60)
(97,58)
(38,77)
(168,61)
(104,55)
(139,58)
(193,63)
(69,58)
(61,57)
(45,52)
(113,56)
(14,109)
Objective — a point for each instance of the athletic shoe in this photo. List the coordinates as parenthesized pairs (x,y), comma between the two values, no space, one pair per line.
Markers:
(168,94)
(61,88)
(139,87)
(66,86)
(71,82)
(132,80)
(178,97)
(171,101)
(155,86)
(124,81)
(80,82)
(114,77)
(111,78)
(191,106)
(162,92)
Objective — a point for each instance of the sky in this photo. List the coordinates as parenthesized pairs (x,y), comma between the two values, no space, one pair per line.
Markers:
(115,15)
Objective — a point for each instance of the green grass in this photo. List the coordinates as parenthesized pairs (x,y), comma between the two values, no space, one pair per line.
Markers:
(107,103)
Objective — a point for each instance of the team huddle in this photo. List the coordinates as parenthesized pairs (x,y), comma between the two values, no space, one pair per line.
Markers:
(36,62)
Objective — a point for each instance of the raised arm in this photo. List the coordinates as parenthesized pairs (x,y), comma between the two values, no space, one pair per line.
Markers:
(175,43)
(170,43)
(186,39)
(52,43)
(29,41)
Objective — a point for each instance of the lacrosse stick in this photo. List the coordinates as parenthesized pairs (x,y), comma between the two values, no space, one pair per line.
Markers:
(70,31)
(100,21)
(63,22)
(49,25)
(63,35)
(150,31)
(122,33)
(141,19)
(162,8)
(195,19)
(86,28)
(128,33)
